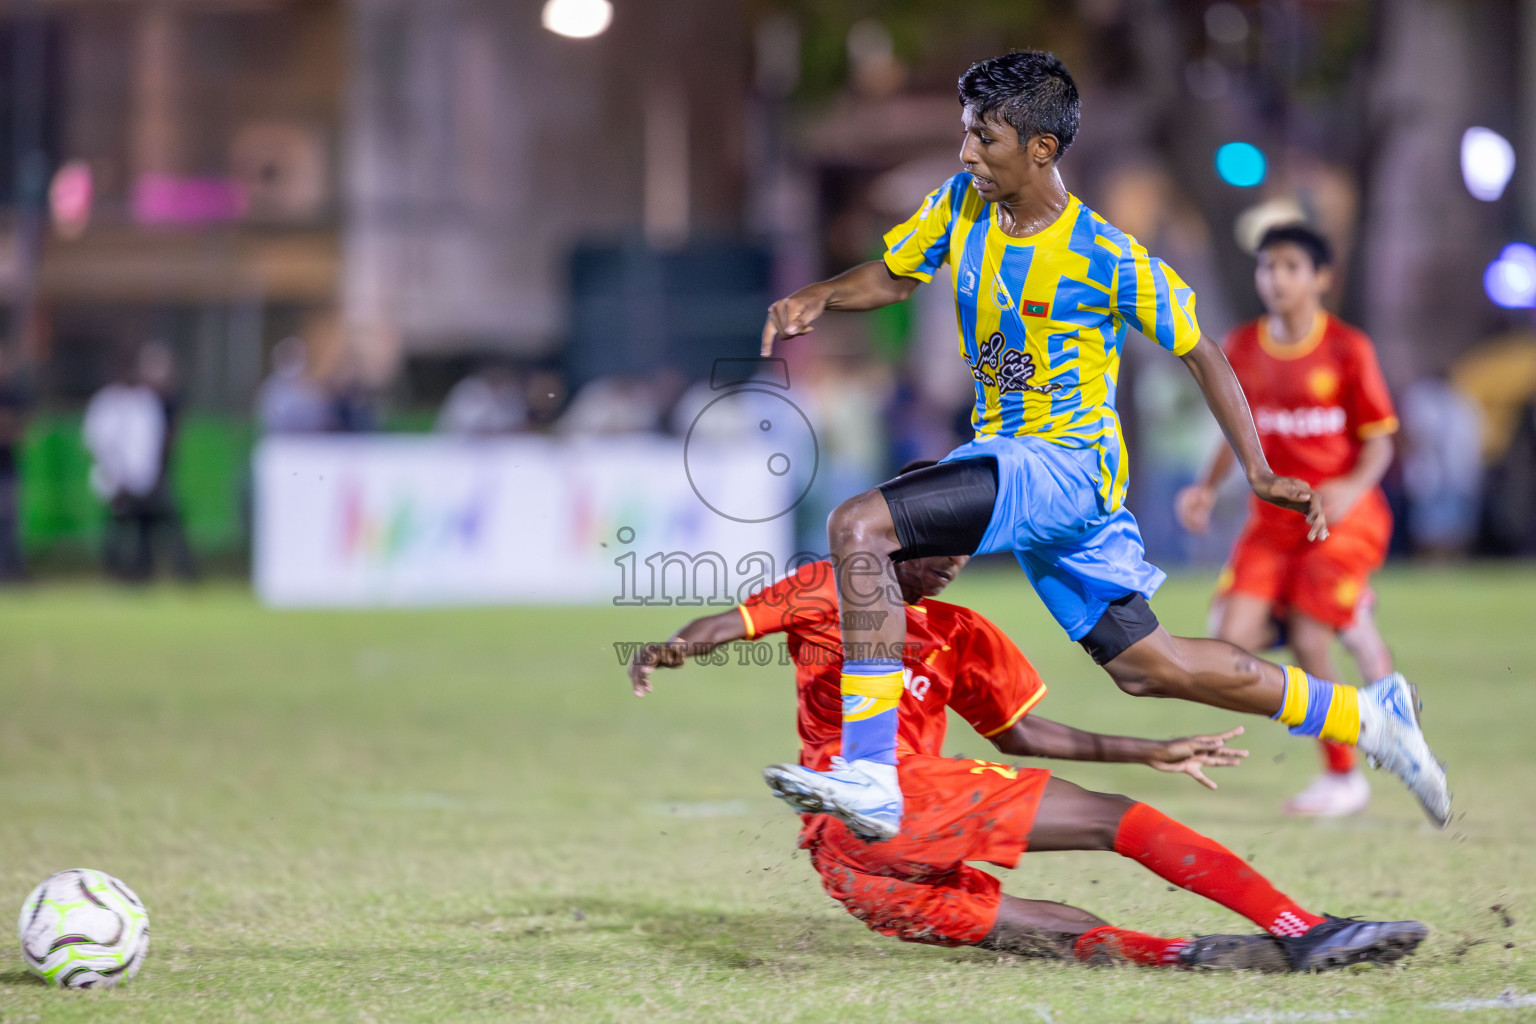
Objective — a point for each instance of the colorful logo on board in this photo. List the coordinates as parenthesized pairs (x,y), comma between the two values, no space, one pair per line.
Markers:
(403,526)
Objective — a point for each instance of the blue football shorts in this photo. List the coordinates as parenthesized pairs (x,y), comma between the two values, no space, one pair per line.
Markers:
(1078,556)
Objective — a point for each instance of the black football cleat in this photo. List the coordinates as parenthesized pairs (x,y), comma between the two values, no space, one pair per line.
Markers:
(1235,953)
(1341,941)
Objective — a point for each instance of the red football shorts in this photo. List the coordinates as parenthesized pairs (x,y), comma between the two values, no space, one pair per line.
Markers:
(917,887)
(1273,560)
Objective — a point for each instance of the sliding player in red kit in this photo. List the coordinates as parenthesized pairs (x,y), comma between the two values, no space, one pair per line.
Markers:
(1323,416)
(918,887)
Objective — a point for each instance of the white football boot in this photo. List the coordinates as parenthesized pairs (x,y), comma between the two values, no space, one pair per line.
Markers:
(864,795)
(1331,795)
(1391,738)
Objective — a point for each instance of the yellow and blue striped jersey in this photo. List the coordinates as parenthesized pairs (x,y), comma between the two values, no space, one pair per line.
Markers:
(1042,318)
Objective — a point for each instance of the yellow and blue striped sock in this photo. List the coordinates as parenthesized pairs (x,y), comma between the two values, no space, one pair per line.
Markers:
(1316,707)
(871,694)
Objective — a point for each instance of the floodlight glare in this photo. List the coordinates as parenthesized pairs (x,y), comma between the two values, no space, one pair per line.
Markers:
(578,19)
(1240,164)
(1510,280)
(1487,163)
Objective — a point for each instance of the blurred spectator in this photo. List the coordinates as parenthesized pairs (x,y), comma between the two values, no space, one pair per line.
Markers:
(546,396)
(1499,374)
(483,404)
(130,430)
(15,400)
(289,400)
(919,428)
(621,404)
(728,422)
(1509,517)
(1442,434)
(353,409)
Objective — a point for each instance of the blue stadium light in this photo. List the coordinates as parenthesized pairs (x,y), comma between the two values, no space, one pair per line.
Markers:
(1510,280)
(1241,164)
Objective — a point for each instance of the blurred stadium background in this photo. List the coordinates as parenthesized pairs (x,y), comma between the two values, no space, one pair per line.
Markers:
(420,302)
(541,222)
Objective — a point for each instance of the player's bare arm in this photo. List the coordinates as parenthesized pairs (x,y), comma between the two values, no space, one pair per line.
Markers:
(1033,736)
(698,638)
(867,286)
(1194,504)
(1209,366)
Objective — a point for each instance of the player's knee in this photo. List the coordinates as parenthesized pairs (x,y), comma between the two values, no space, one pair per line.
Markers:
(1238,636)
(1310,652)
(1311,640)
(1161,676)
(861,524)
(1135,686)
(1141,677)
(1104,823)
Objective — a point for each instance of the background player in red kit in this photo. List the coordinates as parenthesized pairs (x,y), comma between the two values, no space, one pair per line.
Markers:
(1323,415)
(918,886)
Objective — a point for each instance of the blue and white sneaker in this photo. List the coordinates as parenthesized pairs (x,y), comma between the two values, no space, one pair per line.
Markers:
(864,795)
(1391,738)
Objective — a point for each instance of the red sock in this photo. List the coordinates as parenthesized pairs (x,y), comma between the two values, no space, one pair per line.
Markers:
(1339,757)
(1191,861)
(1122,944)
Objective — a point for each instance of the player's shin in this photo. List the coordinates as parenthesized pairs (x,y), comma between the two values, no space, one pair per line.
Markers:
(1316,707)
(1108,945)
(871,692)
(1338,758)
(1205,867)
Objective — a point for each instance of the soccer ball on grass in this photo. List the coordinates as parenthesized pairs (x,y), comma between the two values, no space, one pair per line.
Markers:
(83,929)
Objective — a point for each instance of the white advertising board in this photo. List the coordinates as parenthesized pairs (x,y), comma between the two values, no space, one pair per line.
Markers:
(403,520)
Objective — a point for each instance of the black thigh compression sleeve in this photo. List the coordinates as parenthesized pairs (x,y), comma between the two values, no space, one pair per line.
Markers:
(942,509)
(1125,621)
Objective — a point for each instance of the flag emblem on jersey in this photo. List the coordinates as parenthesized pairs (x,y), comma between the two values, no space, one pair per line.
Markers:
(1036,308)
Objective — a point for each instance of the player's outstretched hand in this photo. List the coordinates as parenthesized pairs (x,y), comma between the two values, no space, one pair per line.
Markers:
(1193,507)
(793,316)
(1191,755)
(648,659)
(1298,496)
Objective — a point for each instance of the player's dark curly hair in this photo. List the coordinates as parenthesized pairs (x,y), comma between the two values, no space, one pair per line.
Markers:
(1309,240)
(1030,90)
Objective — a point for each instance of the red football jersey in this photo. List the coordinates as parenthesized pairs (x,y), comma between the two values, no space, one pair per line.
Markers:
(1314,402)
(954,658)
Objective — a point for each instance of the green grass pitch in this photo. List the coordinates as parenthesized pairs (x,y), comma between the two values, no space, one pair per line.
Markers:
(464,815)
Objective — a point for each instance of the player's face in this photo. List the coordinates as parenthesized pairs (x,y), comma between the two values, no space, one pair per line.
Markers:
(1286,279)
(927,577)
(991,152)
